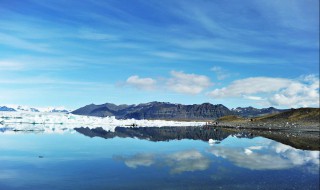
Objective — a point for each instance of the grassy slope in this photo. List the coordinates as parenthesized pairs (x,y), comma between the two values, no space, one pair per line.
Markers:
(294,115)
(295,119)
(232,118)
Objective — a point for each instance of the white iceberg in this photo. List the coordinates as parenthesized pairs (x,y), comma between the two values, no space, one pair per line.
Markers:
(66,121)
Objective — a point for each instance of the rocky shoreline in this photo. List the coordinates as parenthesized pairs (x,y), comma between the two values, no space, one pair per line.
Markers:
(299,128)
(300,139)
(284,126)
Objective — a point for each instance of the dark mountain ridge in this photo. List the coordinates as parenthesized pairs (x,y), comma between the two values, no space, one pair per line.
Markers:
(166,110)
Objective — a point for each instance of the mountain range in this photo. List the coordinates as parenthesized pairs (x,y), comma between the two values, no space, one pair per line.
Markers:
(166,110)
(5,108)
(31,109)
(253,112)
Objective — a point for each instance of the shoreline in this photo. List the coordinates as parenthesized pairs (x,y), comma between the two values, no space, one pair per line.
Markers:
(306,139)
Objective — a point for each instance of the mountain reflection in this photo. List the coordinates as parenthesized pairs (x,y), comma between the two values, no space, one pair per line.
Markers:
(304,141)
(158,134)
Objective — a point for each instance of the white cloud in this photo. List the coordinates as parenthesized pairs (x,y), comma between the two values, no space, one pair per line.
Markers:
(141,83)
(178,82)
(250,86)
(253,97)
(221,73)
(187,83)
(278,91)
(298,94)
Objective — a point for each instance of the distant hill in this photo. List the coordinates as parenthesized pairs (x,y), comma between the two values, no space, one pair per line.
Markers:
(20,108)
(5,108)
(253,112)
(293,119)
(293,115)
(24,108)
(59,111)
(166,110)
(105,110)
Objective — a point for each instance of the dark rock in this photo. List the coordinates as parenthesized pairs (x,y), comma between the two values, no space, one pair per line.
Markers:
(156,110)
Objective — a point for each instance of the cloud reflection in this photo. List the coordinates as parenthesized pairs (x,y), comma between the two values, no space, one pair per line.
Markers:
(274,156)
(178,162)
(190,160)
(137,160)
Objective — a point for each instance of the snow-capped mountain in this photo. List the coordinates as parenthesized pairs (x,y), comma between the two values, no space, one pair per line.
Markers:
(251,111)
(20,108)
(5,108)
(26,108)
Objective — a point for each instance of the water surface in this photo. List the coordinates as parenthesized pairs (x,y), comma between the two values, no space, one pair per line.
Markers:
(73,160)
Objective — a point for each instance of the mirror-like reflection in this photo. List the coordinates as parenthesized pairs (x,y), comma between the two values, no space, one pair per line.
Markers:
(158,134)
(178,162)
(152,158)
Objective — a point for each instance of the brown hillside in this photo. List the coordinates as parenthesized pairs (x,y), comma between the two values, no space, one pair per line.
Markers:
(294,115)
(231,118)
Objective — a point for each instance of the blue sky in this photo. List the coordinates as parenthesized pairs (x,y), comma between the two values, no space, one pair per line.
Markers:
(239,53)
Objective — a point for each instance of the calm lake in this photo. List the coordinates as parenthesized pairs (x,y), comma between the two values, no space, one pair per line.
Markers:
(152,159)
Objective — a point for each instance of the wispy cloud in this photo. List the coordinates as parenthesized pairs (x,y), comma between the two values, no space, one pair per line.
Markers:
(90,34)
(41,63)
(187,83)
(10,65)
(16,42)
(220,72)
(164,54)
(38,80)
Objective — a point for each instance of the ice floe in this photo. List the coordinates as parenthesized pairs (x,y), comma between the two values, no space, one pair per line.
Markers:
(42,121)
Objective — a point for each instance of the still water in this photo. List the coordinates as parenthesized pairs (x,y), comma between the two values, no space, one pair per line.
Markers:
(74,160)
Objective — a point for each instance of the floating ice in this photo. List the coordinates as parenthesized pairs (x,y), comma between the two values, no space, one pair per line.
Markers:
(42,121)
(211,141)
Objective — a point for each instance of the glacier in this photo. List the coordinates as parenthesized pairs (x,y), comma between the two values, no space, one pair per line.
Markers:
(61,122)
